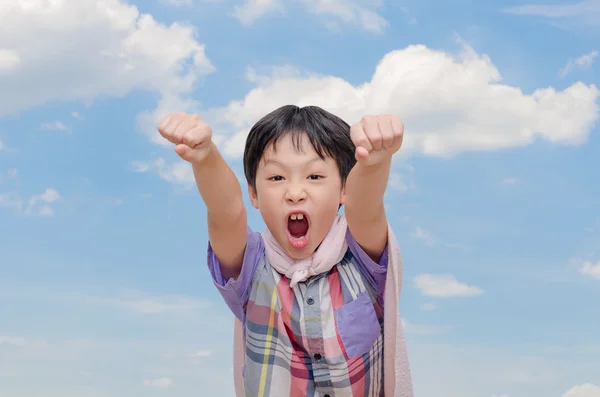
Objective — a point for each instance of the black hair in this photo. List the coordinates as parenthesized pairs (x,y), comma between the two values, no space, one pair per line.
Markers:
(328,134)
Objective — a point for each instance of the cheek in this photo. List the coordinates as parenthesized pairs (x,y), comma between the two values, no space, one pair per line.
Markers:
(331,198)
(267,200)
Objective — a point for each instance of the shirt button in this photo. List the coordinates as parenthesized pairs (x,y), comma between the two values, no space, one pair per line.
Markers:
(317,356)
(310,301)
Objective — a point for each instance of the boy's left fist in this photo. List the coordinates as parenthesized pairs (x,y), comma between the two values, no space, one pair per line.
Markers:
(377,138)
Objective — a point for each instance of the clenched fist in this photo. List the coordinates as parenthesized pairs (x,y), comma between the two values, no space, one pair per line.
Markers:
(377,138)
(191,135)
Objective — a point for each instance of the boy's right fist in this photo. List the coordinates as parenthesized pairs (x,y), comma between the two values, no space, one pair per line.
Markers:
(191,135)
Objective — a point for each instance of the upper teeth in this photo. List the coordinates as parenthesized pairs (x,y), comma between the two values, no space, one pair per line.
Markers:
(297,216)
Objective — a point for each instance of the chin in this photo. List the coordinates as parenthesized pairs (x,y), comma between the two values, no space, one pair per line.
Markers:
(299,254)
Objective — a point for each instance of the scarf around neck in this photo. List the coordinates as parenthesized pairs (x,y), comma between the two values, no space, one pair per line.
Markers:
(397,377)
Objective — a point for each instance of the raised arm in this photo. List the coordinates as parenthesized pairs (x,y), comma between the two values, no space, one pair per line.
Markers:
(376,139)
(217,184)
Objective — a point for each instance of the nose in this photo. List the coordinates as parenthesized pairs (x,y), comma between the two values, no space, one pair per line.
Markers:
(295,194)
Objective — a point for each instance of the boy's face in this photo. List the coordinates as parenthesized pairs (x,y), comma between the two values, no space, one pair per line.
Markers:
(298,195)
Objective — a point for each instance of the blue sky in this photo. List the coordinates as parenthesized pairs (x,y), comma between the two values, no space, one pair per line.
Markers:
(104,289)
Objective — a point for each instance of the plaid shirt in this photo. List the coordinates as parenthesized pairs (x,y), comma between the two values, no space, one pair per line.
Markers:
(322,338)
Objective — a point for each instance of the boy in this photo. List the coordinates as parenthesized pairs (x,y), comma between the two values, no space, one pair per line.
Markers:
(315,295)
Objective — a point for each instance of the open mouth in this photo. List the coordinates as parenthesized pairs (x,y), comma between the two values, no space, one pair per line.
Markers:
(298,229)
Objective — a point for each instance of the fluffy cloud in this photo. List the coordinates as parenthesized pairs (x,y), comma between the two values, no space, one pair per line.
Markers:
(9,60)
(178,3)
(160,383)
(584,61)
(449,104)
(92,48)
(585,390)
(580,15)
(591,270)
(178,172)
(55,125)
(251,10)
(47,197)
(37,205)
(444,286)
(201,354)
(424,236)
(580,9)
(353,12)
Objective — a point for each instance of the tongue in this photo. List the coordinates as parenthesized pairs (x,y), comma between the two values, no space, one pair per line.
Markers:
(298,227)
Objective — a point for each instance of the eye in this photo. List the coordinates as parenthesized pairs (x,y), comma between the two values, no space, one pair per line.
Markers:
(316,177)
(276,178)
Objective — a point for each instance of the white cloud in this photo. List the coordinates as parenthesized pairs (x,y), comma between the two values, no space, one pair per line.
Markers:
(424,236)
(402,179)
(584,390)
(444,286)
(352,12)
(427,307)
(123,299)
(449,104)
(9,60)
(179,172)
(93,48)
(589,269)
(48,196)
(160,383)
(14,201)
(585,7)
(12,172)
(198,357)
(585,61)
(582,16)
(77,115)
(45,210)
(1,145)
(181,3)
(11,200)
(13,341)
(55,125)
(201,354)
(140,166)
(251,10)
(178,3)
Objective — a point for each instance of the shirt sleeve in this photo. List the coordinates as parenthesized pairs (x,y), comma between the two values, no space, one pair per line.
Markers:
(236,292)
(375,272)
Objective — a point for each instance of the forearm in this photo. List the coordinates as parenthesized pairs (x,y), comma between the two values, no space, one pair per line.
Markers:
(364,208)
(365,188)
(227,218)
(219,188)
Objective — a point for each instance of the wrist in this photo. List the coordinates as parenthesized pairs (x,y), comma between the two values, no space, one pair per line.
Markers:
(210,155)
(374,168)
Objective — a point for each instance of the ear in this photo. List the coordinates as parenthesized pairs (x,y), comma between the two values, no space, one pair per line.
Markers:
(253,196)
(343,195)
